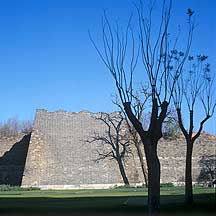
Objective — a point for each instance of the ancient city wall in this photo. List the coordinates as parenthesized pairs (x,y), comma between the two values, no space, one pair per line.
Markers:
(60,157)
(172,155)
(13,152)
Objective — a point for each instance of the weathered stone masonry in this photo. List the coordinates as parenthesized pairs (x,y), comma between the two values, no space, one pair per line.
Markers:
(59,156)
(13,152)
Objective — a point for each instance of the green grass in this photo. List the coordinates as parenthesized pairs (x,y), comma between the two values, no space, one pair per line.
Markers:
(98,192)
(129,201)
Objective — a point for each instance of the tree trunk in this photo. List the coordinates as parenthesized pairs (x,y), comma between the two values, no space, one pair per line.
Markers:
(154,186)
(122,171)
(188,174)
(153,178)
(144,171)
(150,140)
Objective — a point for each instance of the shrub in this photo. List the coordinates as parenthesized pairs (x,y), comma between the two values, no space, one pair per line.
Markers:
(16,188)
(167,185)
(128,186)
(121,186)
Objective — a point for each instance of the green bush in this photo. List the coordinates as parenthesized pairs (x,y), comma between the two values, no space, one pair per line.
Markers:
(16,188)
(128,186)
(167,185)
(121,186)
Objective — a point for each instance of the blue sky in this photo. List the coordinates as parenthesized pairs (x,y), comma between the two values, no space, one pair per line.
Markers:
(47,60)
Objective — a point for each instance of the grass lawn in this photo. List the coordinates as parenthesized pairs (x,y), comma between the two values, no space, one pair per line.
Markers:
(127,201)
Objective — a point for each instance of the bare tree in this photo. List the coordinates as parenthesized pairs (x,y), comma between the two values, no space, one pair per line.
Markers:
(115,142)
(141,98)
(162,65)
(208,169)
(26,127)
(14,126)
(10,127)
(195,87)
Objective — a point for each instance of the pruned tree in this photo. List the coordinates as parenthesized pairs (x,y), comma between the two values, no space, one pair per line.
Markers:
(114,141)
(162,66)
(195,88)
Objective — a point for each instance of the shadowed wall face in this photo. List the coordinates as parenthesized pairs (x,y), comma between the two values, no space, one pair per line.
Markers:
(12,161)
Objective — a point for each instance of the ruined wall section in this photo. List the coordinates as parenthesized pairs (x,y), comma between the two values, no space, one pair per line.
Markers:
(7,142)
(13,152)
(60,156)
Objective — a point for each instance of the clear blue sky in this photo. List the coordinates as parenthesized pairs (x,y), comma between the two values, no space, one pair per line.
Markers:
(47,60)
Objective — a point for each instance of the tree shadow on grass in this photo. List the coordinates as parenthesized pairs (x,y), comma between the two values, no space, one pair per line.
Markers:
(137,205)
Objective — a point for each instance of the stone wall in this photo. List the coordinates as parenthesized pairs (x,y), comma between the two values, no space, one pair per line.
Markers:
(172,154)
(13,152)
(60,157)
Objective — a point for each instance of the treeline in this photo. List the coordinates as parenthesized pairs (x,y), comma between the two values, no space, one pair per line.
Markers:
(14,126)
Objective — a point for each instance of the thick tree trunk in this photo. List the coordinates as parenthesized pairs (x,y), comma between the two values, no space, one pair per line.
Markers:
(122,171)
(150,140)
(188,174)
(153,183)
(144,171)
